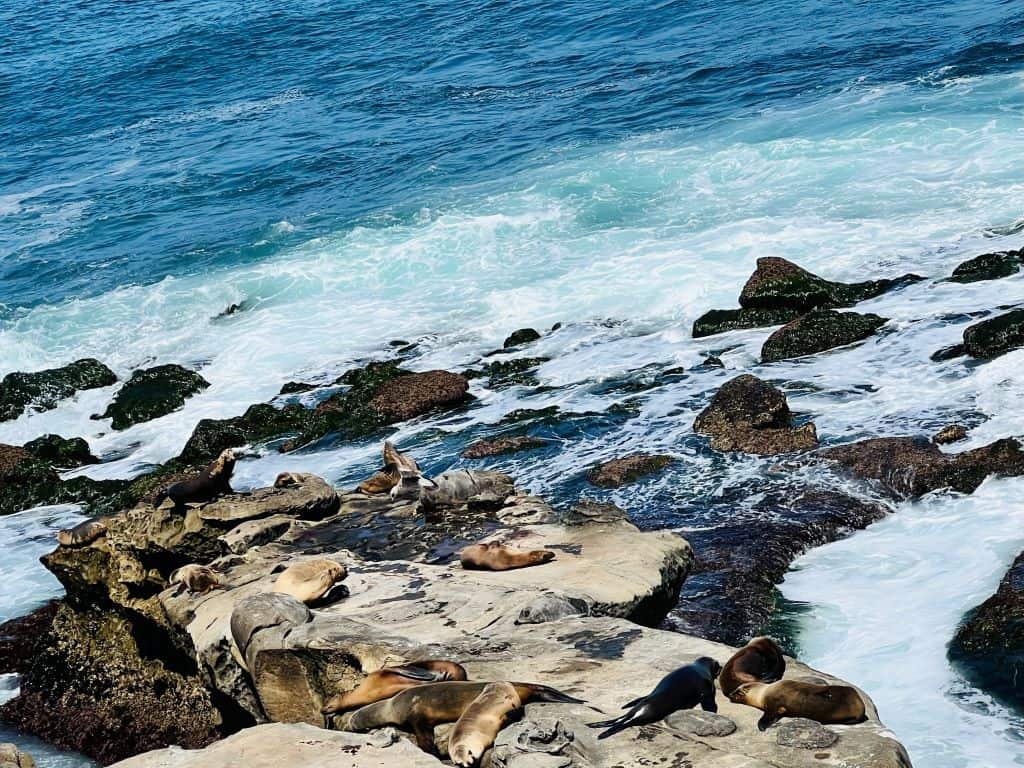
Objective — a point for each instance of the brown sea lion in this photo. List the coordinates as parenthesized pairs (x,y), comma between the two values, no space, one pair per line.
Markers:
(386,682)
(425,706)
(498,557)
(476,730)
(196,578)
(396,466)
(759,661)
(290,479)
(82,534)
(311,581)
(838,704)
(212,482)
(683,689)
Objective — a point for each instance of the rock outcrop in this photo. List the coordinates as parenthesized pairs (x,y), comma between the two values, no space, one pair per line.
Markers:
(503,445)
(995,336)
(953,433)
(28,481)
(62,452)
(43,390)
(818,331)
(989,266)
(612,474)
(151,393)
(752,416)
(520,337)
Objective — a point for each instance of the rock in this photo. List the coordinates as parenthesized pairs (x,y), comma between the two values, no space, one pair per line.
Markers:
(818,331)
(988,647)
(12,757)
(723,320)
(995,336)
(19,638)
(62,452)
(151,393)
(413,395)
(950,434)
(256,533)
(801,733)
(949,353)
(989,266)
(587,512)
(260,423)
(552,608)
(43,390)
(296,387)
(311,499)
(713,362)
(612,474)
(502,445)
(520,337)
(695,722)
(914,466)
(508,373)
(526,510)
(752,416)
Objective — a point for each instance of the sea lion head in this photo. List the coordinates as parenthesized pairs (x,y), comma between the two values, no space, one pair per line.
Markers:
(224,464)
(712,667)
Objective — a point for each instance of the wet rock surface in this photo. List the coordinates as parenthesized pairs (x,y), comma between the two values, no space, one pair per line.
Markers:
(260,423)
(722,320)
(819,331)
(989,266)
(503,445)
(952,434)
(520,337)
(43,390)
(752,416)
(995,336)
(151,393)
(20,637)
(61,452)
(415,394)
(28,481)
(612,474)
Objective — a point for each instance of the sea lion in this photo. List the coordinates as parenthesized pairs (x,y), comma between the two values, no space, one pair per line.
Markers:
(312,582)
(498,557)
(840,704)
(683,689)
(395,464)
(290,479)
(476,730)
(423,707)
(212,482)
(82,534)
(455,488)
(759,661)
(196,578)
(386,682)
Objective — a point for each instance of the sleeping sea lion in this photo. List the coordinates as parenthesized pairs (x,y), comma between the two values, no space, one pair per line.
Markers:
(290,479)
(476,730)
(425,706)
(212,482)
(455,488)
(196,578)
(82,534)
(386,682)
(683,689)
(759,661)
(498,557)
(313,582)
(839,704)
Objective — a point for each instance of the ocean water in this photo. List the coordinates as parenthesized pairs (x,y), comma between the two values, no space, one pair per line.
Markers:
(447,173)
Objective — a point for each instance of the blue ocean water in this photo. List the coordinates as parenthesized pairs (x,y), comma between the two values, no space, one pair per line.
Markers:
(445,173)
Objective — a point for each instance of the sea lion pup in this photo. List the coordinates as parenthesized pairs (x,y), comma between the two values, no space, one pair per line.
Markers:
(498,557)
(313,582)
(759,661)
(423,707)
(290,479)
(839,704)
(683,689)
(476,730)
(386,682)
(212,482)
(82,534)
(196,578)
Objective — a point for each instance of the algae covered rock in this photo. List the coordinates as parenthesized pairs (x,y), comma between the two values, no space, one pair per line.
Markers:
(151,393)
(62,452)
(818,331)
(503,445)
(520,337)
(722,320)
(995,336)
(43,390)
(988,266)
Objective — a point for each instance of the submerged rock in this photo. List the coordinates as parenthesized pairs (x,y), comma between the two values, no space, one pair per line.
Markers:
(951,434)
(503,445)
(616,472)
(914,466)
(752,416)
(520,337)
(151,393)
(949,353)
(722,320)
(507,373)
(989,266)
(818,331)
(995,336)
(988,648)
(62,452)
(43,390)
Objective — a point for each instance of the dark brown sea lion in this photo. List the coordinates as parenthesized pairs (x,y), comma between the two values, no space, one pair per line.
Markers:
(425,706)
(196,578)
(683,689)
(212,482)
(498,557)
(759,661)
(82,534)
(310,581)
(386,682)
(396,466)
(476,730)
(838,704)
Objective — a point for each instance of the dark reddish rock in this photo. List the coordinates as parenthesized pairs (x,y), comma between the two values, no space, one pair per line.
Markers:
(43,390)
(818,331)
(520,337)
(914,466)
(995,336)
(616,472)
(989,266)
(151,393)
(62,452)
(418,393)
(951,434)
(723,320)
(988,648)
(502,445)
(19,638)
(752,416)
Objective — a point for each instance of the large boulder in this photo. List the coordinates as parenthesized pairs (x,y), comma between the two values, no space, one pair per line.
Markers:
(995,336)
(989,266)
(151,393)
(43,390)
(988,647)
(818,331)
(611,474)
(20,637)
(914,466)
(752,416)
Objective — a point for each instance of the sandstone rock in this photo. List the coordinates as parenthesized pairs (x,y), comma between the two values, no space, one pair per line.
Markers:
(588,511)
(12,757)
(43,390)
(526,510)
(989,266)
(695,722)
(255,533)
(914,466)
(752,416)
(520,337)
(616,472)
(995,336)
(950,434)
(151,393)
(311,499)
(723,320)
(818,331)
(61,452)
(801,733)
(502,445)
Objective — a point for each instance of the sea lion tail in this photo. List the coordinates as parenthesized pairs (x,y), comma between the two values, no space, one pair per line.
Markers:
(635,702)
(613,726)
(546,693)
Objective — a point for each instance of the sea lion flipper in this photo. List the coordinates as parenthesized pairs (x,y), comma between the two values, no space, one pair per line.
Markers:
(423,732)
(413,672)
(708,703)
(546,693)
(767,719)
(635,702)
